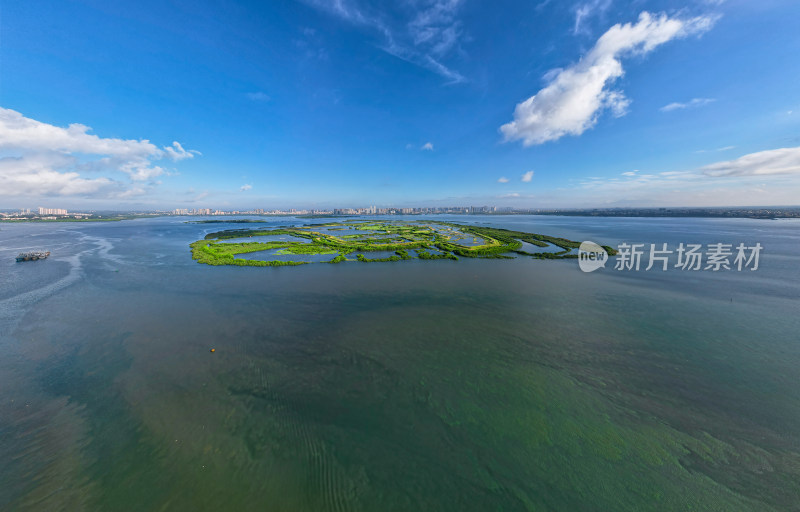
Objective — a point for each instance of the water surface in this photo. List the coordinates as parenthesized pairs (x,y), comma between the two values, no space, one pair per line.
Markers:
(428,385)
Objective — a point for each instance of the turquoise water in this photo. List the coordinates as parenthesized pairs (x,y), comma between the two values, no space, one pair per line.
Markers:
(428,385)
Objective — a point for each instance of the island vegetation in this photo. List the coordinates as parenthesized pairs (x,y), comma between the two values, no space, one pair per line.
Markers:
(375,241)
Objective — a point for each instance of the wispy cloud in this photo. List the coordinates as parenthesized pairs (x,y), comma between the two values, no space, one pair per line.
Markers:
(503,179)
(694,103)
(575,96)
(772,175)
(245,187)
(426,37)
(41,159)
(258,96)
(199,197)
(725,148)
(588,10)
(428,146)
(527,177)
(435,27)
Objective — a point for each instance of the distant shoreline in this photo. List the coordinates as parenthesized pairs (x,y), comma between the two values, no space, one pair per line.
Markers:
(109,218)
(716,213)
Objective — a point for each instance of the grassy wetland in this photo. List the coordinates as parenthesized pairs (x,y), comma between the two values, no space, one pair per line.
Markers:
(355,241)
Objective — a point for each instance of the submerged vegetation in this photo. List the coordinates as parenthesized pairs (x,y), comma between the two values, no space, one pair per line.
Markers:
(354,241)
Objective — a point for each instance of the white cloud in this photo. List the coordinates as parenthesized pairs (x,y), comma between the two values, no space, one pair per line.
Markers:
(694,103)
(43,159)
(436,28)
(528,176)
(428,146)
(176,152)
(245,187)
(775,161)
(428,36)
(630,173)
(772,176)
(588,10)
(258,96)
(575,96)
(503,179)
(726,148)
(36,175)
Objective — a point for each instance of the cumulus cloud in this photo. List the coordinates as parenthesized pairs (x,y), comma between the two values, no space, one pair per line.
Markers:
(43,159)
(575,96)
(503,179)
(528,176)
(36,175)
(245,187)
(696,102)
(774,161)
(428,146)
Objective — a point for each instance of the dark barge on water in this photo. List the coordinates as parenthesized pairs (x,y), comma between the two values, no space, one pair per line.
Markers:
(33,256)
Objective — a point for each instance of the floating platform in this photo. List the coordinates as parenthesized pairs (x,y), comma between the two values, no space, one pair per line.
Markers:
(33,256)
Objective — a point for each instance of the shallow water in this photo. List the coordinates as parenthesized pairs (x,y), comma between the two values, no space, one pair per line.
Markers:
(372,255)
(275,255)
(429,385)
(533,249)
(265,239)
(339,231)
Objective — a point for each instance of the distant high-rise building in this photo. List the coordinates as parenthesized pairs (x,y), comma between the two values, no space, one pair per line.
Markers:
(52,211)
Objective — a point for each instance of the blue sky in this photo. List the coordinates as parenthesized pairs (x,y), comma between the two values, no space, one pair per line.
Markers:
(318,103)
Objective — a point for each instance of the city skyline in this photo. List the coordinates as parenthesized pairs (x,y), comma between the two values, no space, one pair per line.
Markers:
(321,105)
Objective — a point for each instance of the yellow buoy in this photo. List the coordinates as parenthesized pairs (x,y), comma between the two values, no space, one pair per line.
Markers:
(213,349)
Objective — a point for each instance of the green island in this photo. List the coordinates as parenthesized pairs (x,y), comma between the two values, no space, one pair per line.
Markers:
(375,241)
